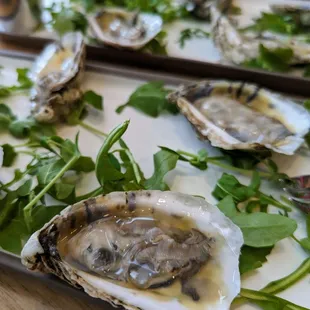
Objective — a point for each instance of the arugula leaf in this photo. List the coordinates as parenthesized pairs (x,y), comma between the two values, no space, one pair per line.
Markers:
(190,33)
(21,128)
(6,116)
(252,258)
(164,162)
(157,45)
(264,230)
(105,169)
(9,155)
(84,164)
(7,207)
(48,172)
(228,207)
(272,59)
(275,23)
(68,20)
(305,243)
(24,83)
(150,99)
(68,150)
(24,190)
(93,99)
(63,190)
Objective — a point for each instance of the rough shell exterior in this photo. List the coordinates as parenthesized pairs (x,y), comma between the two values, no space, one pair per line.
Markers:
(152,23)
(292,113)
(57,92)
(238,48)
(41,254)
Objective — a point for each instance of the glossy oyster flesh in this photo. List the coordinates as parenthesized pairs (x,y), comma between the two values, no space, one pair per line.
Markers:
(56,74)
(240,47)
(298,10)
(238,115)
(122,29)
(146,249)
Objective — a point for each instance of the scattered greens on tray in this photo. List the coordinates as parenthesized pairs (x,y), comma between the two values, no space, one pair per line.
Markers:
(190,33)
(56,165)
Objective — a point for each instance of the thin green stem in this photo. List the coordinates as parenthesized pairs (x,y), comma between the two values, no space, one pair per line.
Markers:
(282,284)
(92,129)
(134,166)
(240,170)
(27,153)
(186,154)
(33,202)
(30,145)
(252,295)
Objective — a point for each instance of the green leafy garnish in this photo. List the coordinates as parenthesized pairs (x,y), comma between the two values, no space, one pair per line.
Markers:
(9,155)
(150,99)
(272,59)
(67,19)
(253,258)
(276,23)
(264,230)
(93,99)
(24,83)
(157,45)
(190,33)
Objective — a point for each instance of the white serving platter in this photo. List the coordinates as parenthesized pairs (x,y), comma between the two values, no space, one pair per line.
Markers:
(143,136)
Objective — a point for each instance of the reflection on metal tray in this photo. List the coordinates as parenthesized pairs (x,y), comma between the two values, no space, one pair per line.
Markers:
(275,81)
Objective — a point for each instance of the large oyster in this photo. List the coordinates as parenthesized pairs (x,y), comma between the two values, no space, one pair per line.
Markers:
(122,29)
(239,47)
(143,250)
(56,74)
(239,115)
(299,10)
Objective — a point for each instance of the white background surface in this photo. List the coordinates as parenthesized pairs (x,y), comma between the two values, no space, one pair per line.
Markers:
(143,136)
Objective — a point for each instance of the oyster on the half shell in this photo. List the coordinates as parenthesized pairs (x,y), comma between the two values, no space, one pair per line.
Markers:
(123,29)
(143,250)
(299,10)
(239,115)
(56,75)
(240,47)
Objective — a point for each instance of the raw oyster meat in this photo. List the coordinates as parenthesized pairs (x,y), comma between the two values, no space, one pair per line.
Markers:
(299,10)
(56,74)
(122,29)
(239,115)
(239,47)
(143,250)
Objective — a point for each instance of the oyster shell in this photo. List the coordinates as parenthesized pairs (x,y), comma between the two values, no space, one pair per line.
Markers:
(299,10)
(239,115)
(143,250)
(122,29)
(240,47)
(56,74)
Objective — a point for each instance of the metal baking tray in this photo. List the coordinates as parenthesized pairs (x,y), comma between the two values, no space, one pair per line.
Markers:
(106,66)
(13,261)
(199,69)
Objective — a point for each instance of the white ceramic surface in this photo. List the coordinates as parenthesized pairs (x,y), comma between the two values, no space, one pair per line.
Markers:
(143,136)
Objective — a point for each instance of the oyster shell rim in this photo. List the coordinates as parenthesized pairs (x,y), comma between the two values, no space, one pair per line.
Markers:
(217,136)
(33,251)
(98,34)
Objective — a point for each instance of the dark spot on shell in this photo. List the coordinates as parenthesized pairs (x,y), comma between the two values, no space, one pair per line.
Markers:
(162,284)
(191,292)
(254,95)
(48,240)
(131,201)
(239,90)
(271,106)
(176,216)
(148,194)
(72,220)
(115,247)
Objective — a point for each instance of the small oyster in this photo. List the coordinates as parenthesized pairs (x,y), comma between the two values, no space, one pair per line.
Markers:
(299,10)
(143,250)
(122,29)
(56,74)
(240,47)
(239,115)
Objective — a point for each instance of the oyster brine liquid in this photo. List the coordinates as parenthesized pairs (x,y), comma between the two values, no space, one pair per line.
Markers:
(106,248)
